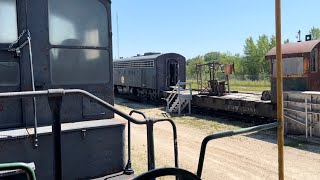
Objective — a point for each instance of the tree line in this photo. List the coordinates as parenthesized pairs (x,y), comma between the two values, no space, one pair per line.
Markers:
(252,64)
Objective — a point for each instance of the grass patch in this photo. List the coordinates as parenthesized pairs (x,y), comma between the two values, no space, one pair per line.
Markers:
(241,85)
(204,123)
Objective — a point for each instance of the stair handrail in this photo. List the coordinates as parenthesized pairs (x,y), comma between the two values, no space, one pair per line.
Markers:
(173,94)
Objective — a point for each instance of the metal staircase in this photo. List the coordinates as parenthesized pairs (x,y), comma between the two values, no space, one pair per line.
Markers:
(179,98)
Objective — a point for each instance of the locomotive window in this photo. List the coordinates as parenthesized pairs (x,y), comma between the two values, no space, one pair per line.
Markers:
(8,21)
(79,66)
(314,60)
(290,66)
(133,64)
(78,23)
(9,73)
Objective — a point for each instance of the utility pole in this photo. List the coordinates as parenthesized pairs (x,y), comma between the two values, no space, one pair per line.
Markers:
(279,92)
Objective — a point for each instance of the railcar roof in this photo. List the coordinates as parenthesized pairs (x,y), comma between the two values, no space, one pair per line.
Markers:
(154,56)
(295,48)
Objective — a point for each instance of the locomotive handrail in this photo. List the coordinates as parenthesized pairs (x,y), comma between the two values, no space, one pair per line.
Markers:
(207,139)
(19,166)
(55,100)
(62,92)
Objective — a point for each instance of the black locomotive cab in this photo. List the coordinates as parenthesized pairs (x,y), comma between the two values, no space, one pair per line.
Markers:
(48,44)
(59,44)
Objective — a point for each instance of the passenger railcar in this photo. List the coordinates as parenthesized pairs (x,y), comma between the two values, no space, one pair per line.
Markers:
(148,75)
(300,67)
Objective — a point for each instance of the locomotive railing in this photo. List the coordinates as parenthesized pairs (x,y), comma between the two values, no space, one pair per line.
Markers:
(209,138)
(55,101)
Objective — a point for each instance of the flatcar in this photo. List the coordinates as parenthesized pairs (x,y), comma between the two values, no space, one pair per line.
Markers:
(147,76)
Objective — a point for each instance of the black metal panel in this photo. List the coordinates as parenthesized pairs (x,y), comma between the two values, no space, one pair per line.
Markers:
(289,84)
(72,107)
(163,72)
(87,150)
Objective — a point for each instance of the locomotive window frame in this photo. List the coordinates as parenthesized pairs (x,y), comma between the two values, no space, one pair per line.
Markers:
(133,64)
(83,46)
(4,44)
(104,47)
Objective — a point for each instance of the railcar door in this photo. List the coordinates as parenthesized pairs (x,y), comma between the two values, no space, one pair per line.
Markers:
(10,110)
(173,72)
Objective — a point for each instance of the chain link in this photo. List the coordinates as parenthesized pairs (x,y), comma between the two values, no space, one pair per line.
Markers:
(17,49)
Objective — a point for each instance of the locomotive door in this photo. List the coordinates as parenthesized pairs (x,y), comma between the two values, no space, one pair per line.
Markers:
(11,109)
(172,72)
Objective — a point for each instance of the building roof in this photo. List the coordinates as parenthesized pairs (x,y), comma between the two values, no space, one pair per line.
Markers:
(295,48)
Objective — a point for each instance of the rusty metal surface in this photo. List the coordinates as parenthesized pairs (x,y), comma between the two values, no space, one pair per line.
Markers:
(314,81)
(295,48)
(250,104)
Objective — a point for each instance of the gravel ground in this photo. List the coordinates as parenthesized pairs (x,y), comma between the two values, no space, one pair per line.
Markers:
(249,156)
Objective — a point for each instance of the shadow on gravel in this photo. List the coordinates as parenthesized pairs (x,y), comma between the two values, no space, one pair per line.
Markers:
(297,143)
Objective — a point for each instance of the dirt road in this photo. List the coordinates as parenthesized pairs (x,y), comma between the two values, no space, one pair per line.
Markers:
(251,156)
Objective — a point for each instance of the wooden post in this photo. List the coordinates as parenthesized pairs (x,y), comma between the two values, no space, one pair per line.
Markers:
(279,91)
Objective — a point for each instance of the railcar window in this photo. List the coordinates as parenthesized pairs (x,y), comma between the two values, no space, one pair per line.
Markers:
(8,21)
(291,66)
(9,74)
(79,66)
(314,60)
(78,23)
(133,64)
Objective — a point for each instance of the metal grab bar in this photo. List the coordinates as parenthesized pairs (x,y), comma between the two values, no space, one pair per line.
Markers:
(150,143)
(62,92)
(55,100)
(227,134)
(21,166)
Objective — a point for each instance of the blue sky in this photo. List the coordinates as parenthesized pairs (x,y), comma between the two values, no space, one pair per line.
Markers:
(196,27)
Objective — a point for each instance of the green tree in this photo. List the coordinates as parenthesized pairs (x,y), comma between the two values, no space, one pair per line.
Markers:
(191,66)
(251,60)
(263,46)
(315,33)
(212,56)
(272,41)
(286,41)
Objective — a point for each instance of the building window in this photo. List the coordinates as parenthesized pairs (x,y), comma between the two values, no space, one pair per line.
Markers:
(8,21)
(290,66)
(314,60)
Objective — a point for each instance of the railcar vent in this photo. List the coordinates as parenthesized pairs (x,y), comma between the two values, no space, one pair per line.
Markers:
(133,64)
